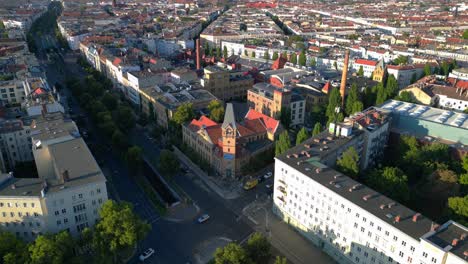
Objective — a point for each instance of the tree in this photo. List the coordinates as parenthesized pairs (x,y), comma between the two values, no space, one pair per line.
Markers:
(232,253)
(293,59)
(253,54)
(109,101)
(465,34)
(465,162)
(168,162)
(134,156)
(391,181)
(334,101)
(427,69)
(285,117)
(302,59)
(118,230)
(246,53)
(216,110)
(12,248)
(313,62)
(351,99)
(184,113)
(275,55)
(360,71)
(348,163)
(414,78)
(125,118)
(400,60)
(119,140)
(258,248)
(335,65)
(302,135)
(317,129)
(225,52)
(405,96)
(280,260)
(459,207)
(218,52)
(381,95)
(266,55)
(391,86)
(284,54)
(52,249)
(283,143)
(206,48)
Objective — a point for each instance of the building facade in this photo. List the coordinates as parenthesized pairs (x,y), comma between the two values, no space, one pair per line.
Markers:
(226,85)
(229,146)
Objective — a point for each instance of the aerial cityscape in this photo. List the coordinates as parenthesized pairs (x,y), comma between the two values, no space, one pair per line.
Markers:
(233,131)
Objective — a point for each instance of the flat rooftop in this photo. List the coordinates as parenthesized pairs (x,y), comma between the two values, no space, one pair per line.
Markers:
(341,185)
(445,117)
(445,236)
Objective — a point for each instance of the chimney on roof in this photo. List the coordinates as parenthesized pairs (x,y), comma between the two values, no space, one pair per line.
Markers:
(114,3)
(198,53)
(434,227)
(344,75)
(397,218)
(463,236)
(416,217)
(13,186)
(454,242)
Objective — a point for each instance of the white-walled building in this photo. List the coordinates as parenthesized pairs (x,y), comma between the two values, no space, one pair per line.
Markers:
(353,223)
(368,66)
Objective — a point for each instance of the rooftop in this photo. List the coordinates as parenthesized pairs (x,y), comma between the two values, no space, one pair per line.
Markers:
(366,198)
(452,237)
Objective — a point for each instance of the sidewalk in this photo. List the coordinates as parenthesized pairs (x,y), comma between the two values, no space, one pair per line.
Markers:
(226,189)
(292,245)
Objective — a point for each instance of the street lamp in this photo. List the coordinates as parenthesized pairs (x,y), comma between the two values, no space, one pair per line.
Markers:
(337,111)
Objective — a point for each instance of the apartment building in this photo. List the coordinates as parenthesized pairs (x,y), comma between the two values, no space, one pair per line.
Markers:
(163,103)
(405,73)
(271,100)
(12,92)
(15,143)
(67,194)
(353,223)
(226,85)
(368,66)
(142,79)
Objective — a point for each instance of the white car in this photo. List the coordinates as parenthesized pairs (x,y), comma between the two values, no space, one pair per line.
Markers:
(203,218)
(148,253)
(267,175)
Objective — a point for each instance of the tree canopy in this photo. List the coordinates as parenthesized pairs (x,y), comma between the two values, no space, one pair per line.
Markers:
(391,181)
(302,135)
(168,162)
(258,248)
(348,163)
(184,113)
(360,72)
(334,100)
(275,55)
(293,58)
(216,109)
(283,143)
(302,59)
(317,129)
(353,102)
(232,253)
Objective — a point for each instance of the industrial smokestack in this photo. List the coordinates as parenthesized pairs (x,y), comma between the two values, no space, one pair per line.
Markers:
(343,77)
(197,51)
(114,3)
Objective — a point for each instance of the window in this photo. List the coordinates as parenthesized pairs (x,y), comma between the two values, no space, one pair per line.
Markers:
(12,214)
(65,220)
(20,214)
(379,228)
(424,254)
(59,222)
(33,204)
(25,205)
(401,254)
(412,248)
(403,243)
(395,238)
(387,233)
(57,213)
(80,196)
(64,211)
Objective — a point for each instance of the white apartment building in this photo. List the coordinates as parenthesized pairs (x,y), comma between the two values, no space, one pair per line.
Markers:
(404,73)
(297,109)
(353,223)
(12,92)
(70,188)
(368,66)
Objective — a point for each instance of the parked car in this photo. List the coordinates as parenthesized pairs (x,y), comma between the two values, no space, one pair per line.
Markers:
(148,253)
(250,184)
(268,175)
(203,218)
(269,186)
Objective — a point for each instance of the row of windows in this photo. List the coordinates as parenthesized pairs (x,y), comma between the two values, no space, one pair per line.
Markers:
(19,214)
(25,205)
(15,224)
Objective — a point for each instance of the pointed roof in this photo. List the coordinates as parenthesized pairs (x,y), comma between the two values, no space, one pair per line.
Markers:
(269,123)
(229,118)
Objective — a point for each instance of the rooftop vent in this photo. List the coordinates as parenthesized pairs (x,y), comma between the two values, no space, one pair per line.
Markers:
(397,218)
(463,236)
(416,217)
(296,155)
(317,140)
(455,242)
(307,146)
(337,176)
(390,205)
(355,187)
(367,197)
(383,206)
(389,216)
(318,170)
(288,156)
(13,186)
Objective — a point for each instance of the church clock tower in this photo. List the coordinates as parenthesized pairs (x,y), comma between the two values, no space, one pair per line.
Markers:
(229,133)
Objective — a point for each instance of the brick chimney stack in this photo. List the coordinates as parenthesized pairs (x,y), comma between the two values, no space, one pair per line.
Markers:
(197,53)
(114,3)
(343,77)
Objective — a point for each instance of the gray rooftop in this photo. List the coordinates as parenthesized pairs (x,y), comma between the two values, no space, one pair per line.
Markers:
(445,236)
(342,184)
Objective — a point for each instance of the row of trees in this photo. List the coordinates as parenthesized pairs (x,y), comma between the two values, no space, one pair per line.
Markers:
(256,250)
(111,239)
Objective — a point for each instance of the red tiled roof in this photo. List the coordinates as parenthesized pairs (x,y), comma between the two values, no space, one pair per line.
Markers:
(203,121)
(215,132)
(365,62)
(117,61)
(326,88)
(459,83)
(270,123)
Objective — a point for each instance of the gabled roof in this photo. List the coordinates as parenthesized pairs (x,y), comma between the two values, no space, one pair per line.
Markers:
(229,117)
(366,62)
(202,122)
(270,123)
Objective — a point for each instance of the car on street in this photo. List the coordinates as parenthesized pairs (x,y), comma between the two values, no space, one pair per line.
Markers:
(203,218)
(250,184)
(148,253)
(268,175)
(269,186)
